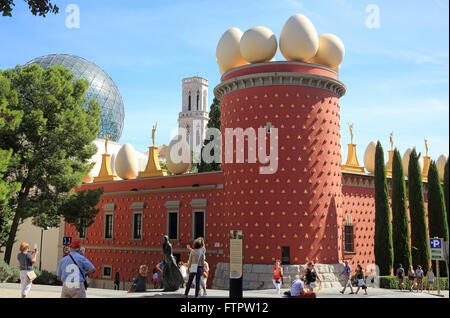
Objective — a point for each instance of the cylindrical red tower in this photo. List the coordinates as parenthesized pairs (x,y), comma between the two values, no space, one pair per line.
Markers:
(292,212)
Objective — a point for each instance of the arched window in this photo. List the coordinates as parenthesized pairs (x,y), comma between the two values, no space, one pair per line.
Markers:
(189,101)
(198,99)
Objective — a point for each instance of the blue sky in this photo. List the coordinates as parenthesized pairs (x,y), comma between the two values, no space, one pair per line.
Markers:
(397,75)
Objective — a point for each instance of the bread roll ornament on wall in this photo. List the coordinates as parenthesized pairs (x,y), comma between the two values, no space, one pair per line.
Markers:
(126,163)
(258,44)
(298,39)
(228,54)
(331,51)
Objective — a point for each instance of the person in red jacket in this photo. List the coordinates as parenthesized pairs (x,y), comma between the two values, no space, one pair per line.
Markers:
(277,276)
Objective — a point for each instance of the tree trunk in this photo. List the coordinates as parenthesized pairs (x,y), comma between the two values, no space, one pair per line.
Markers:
(23,195)
(12,237)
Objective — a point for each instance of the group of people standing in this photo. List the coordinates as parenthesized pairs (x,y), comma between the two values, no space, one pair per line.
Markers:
(308,280)
(415,276)
(196,268)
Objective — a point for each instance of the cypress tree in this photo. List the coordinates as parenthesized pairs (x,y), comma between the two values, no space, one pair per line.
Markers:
(437,216)
(213,122)
(420,246)
(383,237)
(446,189)
(400,224)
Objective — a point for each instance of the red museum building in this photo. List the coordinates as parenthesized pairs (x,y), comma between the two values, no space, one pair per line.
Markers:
(310,209)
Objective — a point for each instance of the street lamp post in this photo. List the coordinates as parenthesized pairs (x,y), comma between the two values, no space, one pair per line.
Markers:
(40,249)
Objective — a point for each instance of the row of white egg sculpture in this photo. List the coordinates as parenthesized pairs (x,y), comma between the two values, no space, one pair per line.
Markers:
(124,164)
(299,41)
(369,160)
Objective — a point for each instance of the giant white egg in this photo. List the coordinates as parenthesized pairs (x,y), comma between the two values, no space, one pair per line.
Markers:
(113,166)
(405,161)
(126,163)
(178,156)
(258,44)
(369,157)
(298,39)
(88,178)
(440,164)
(331,51)
(228,54)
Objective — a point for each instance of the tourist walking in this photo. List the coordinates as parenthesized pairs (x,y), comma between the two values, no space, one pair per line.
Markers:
(310,277)
(117,281)
(277,277)
(411,278)
(419,278)
(160,268)
(204,279)
(155,278)
(400,276)
(26,261)
(430,279)
(184,272)
(72,272)
(347,272)
(361,279)
(140,282)
(195,265)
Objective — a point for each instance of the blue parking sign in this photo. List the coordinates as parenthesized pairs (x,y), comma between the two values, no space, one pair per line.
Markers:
(67,240)
(435,243)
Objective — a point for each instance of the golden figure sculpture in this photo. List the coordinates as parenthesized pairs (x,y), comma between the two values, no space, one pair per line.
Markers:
(106,143)
(391,139)
(351,132)
(426,147)
(153,133)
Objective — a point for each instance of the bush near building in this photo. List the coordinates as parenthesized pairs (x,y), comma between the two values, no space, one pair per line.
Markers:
(11,274)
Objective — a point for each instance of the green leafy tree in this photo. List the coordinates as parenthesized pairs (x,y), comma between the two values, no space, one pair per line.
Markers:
(400,222)
(79,210)
(446,189)
(9,120)
(383,247)
(213,122)
(420,246)
(53,143)
(437,216)
(37,7)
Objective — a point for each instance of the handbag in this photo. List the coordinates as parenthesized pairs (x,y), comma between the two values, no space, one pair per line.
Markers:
(31,275)
(194,267)
(85,283)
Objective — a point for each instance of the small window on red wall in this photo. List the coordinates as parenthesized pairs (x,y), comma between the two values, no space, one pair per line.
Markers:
(348,237)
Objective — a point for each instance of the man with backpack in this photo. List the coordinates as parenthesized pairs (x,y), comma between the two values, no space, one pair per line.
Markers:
(400,276)
(72,271)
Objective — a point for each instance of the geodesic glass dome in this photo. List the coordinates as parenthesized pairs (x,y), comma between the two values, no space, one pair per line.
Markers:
(101,87)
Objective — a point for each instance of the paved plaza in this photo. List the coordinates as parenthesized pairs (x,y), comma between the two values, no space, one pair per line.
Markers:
(8,290)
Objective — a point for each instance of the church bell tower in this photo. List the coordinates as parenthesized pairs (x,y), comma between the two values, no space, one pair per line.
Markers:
(194,115)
